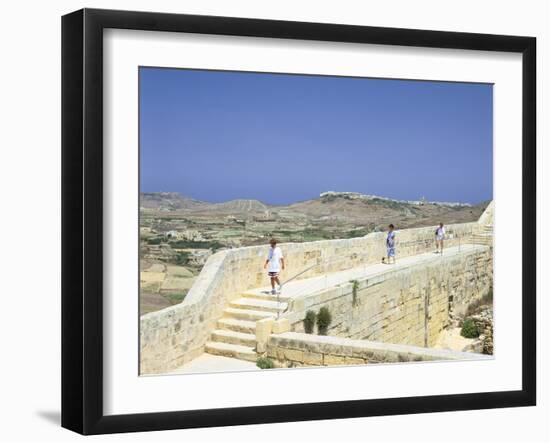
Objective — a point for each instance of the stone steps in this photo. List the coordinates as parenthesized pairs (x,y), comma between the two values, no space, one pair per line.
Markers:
(248,314)
(266,296)
(233,324)
(259,304)
(235,338)
(236,333)
(230,350)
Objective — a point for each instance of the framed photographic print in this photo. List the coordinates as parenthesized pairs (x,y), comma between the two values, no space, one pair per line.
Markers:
(268,221)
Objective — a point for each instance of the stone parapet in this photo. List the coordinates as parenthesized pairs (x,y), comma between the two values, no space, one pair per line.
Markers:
(410,305)
(297,349)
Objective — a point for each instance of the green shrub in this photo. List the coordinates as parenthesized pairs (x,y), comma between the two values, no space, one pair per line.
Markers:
(182,258)
(155,241)
(323,320)
(469,329)
(265,363)
(309,322)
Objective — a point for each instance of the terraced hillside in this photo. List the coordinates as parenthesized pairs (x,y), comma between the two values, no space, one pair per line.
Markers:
(176,230)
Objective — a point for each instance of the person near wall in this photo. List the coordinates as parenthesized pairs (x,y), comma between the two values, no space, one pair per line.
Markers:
(274,263)
(439,237)
(390,244)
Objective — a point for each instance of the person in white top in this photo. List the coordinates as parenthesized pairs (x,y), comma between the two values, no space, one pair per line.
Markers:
(274,263)
(439,237)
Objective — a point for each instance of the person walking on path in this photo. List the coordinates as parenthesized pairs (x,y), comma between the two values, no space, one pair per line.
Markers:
(274,263)
(439,237)
(390,244)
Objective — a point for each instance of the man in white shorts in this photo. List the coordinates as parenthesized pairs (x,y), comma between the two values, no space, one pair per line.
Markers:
(439,237)
(275,263)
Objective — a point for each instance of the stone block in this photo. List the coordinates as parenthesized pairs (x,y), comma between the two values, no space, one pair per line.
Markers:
(271,351)
(294,355)
(313,358)
(333,360)
(354,361)
(299,305)
(263,331)
(280,326)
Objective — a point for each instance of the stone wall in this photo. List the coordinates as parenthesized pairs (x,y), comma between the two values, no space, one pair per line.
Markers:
(176,335)
(487,218)
(409,305)
(295,349)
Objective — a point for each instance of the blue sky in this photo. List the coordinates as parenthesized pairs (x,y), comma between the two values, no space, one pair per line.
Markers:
(218,136)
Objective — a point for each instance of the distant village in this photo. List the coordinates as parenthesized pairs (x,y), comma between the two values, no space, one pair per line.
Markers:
(359,196)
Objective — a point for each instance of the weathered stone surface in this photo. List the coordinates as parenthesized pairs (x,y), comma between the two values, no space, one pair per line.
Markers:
(281,325)
(227,274)
(294,355)
(354,361)
(263,331)
(313,359)
(411,307)
(315,350)
(333,360)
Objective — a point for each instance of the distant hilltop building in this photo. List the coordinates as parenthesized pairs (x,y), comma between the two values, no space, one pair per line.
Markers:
(359,196)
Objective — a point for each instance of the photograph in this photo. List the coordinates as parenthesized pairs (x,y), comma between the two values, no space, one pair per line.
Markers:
(292,221)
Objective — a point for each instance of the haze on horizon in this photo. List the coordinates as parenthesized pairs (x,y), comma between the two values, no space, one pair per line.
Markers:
(218,136)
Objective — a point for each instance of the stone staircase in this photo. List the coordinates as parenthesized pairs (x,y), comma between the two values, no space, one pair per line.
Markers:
(484,236)
(235,335)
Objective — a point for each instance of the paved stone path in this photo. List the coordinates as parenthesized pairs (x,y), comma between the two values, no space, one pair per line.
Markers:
(232,344)
(320,283)
(215,363)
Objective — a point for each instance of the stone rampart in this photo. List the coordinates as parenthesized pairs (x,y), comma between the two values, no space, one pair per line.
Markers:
(409,305)
(295,349)
(177,334)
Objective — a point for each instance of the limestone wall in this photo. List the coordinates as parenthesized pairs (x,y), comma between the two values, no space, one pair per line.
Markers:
(488,215)
(295,349)
(175,335)
(409,305)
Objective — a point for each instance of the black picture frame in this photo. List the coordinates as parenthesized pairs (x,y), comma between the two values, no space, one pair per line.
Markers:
(82,219)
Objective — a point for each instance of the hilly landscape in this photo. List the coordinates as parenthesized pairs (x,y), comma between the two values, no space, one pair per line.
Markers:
(346,208)
(179,233)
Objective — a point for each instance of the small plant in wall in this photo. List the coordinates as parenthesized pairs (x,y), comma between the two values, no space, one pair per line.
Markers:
(469,329)
(309,322)
(324,318)
(354,290)
(265,363)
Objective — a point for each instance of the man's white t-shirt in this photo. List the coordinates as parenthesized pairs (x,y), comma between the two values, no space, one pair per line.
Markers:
(440,233)
(274,256)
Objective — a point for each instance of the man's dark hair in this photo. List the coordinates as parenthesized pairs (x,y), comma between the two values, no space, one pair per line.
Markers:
(391,226)
(272,241)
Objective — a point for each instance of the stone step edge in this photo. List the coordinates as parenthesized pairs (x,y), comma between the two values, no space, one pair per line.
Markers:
(268,297)
(240,304)
(234,324)
(248,313)
(234,335)
(236,351)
